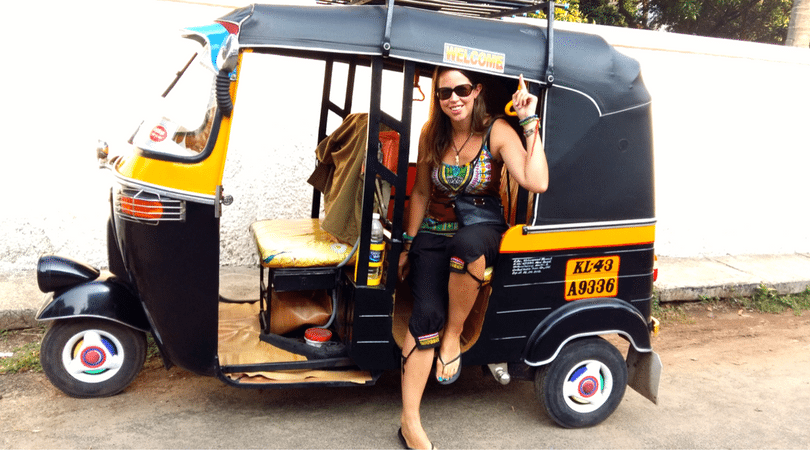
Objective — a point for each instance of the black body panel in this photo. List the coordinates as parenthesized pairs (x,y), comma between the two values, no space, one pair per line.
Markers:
(599,165)
(176,268)
(519,302)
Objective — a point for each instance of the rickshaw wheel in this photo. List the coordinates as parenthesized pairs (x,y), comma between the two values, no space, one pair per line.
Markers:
(584,384)
(92,358)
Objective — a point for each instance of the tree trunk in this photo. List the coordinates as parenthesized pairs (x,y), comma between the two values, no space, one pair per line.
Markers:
(799,28)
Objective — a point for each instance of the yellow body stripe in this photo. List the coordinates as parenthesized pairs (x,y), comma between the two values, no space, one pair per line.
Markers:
(514,241)
(200,178)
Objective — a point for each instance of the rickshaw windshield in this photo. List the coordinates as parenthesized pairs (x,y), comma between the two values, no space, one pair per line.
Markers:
(180,121)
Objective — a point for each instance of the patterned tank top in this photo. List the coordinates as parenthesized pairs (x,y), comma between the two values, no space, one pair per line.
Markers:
(446,181)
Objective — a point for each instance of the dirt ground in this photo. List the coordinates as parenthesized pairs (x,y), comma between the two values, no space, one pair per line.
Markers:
(731,379)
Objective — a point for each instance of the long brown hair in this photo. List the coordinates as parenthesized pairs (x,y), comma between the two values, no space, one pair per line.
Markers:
(437,131)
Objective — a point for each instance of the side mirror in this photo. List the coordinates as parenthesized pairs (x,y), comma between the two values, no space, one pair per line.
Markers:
(228,54)
(102,151)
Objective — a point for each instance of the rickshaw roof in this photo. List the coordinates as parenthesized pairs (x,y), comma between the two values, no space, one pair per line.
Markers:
(581,62)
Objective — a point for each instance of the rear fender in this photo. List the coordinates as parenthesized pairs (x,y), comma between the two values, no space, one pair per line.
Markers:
(103,298)
(583,318)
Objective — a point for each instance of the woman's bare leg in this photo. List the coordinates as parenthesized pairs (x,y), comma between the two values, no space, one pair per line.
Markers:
(414,378)
(463,290)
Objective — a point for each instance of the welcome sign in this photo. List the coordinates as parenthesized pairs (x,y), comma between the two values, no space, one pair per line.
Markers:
(474,58)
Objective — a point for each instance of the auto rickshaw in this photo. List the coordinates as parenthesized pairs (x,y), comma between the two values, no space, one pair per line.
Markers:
(576,264)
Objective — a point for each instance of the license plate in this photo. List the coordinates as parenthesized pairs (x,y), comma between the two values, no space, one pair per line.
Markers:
(591,277)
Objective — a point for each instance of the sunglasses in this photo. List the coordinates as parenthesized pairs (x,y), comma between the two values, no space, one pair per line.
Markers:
(462,90)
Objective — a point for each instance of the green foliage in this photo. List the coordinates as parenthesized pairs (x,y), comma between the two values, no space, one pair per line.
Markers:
(747,20)
(621,13)
(763,21)
(572,14)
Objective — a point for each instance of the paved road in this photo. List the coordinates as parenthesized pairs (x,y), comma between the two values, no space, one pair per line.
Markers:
(732,379)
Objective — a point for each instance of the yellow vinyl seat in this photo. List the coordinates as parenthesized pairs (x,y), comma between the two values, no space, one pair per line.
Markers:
(296,243)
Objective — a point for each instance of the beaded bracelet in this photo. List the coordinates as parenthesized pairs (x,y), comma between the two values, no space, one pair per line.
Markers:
(528,120)
(531,131)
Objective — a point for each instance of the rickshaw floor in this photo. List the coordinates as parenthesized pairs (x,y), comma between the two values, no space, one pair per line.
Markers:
(239,344)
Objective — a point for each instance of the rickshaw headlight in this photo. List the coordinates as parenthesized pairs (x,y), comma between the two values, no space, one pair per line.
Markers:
(228,54)
(56,272)
(102,150)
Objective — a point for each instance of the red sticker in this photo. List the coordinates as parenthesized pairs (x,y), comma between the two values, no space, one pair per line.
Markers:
(158,134)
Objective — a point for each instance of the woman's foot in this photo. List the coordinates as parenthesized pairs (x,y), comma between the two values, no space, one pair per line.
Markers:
(414,437)
(448,363)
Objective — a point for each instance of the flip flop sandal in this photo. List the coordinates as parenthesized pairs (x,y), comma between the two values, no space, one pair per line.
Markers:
(455,376)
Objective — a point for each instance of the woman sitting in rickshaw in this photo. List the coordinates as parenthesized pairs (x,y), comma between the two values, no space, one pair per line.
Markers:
(462,149)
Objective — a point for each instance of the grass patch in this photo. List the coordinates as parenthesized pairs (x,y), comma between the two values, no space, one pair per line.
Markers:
(25,357)
(767,300)
(152,350)
(670,312)
(675,313)
(763,300)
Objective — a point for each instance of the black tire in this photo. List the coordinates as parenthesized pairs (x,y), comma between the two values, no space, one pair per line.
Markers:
(112,355)
(584,384)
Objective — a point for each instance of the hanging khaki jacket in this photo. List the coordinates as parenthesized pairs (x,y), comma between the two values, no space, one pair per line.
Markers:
(339,176)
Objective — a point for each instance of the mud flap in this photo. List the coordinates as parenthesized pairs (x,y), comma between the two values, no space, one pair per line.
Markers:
(644,373)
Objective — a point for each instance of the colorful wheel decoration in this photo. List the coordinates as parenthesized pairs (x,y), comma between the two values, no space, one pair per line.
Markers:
(588,386)
(92,356)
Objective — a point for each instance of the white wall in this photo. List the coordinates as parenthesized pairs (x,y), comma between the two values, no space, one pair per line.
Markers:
(731,123)
(731,134)
(74,72)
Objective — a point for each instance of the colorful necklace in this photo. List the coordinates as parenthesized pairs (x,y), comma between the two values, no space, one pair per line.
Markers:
(458,151)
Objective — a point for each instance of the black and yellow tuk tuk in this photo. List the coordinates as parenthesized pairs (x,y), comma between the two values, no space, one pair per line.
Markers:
(576,264)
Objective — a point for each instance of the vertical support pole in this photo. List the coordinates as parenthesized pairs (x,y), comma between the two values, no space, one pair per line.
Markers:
(401,184)
(389,19)
(324,117)
(347,101)
(550,44)
(326,107)
(372,164)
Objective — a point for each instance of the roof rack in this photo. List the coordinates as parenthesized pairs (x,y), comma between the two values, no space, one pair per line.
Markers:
(474,8)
